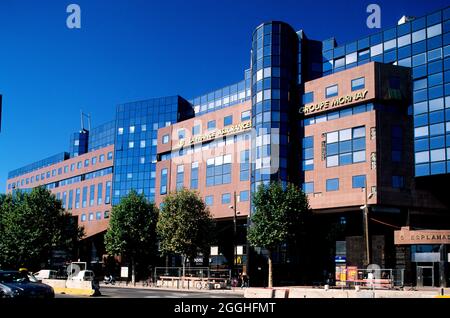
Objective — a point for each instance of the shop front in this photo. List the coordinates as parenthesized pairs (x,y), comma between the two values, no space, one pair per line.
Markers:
(429,255)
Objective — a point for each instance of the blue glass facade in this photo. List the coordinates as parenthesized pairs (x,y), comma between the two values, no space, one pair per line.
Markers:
(275,75)
(422,44)
(39,164)
(136,130)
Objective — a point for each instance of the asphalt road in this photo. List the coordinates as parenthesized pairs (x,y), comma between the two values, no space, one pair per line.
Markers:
(120,292)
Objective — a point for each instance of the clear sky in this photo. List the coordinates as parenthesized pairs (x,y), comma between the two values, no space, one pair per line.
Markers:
(129,50)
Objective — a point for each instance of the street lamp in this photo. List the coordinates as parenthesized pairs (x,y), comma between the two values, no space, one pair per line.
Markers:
(235,214)
(365,208)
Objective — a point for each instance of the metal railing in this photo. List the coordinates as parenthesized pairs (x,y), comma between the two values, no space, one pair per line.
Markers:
(383,278)
(194,277)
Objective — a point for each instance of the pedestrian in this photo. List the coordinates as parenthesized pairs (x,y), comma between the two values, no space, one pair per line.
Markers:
(244,280)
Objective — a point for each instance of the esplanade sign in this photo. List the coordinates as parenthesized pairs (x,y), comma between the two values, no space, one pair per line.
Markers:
(331,103)
(408,237)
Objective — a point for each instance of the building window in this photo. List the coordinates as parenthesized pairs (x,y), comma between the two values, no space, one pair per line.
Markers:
(101,158)
(64,200)
(142,144)
(331,91)
(72,167)
(131,144)
(396,144)
(86,163)
(181,134)
(91,195)
(66,169)
(110,155)
(91,216)
(84,199)
(79,165)
(180,177)
(108,193)
(98,215)
(165,139)
(211,124)
(195,130)
(83,217)
(120,131)
(359,181)
(209,200)
(70,203)
(394,82)
(346,146)
(308,153)
(77,198)
(245,115)
(226,198)
(358,83)
(106,215)
(308,98)
(332,184)
(132,129)
(308,187)
(163,188)
(94,160)
(194,175)
(244,166)
(398,182)
(244,196)
(99,193)
(228,120)
(218,170)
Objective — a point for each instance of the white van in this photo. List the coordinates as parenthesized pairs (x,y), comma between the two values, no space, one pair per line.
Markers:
(85,275)
(45,274)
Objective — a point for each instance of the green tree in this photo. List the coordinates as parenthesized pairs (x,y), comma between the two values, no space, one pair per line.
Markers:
(185,225)
(132,230)
(279,214)
(32,225)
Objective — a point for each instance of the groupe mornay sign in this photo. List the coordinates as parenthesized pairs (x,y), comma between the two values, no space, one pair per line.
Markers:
(333,103)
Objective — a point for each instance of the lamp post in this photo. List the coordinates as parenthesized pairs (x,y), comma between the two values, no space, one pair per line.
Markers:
(235,213)
(365,208)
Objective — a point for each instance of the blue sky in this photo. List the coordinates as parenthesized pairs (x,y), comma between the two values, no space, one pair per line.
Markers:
(128,50)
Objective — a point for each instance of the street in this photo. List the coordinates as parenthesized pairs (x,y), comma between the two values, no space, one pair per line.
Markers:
(120,292)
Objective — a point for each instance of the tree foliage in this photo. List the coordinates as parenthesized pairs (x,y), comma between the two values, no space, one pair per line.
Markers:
(132,228)
(32,225)
(185,224)
(279,216)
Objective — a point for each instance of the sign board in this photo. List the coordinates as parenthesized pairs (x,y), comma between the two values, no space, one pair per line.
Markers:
(214,250)
(340,259)
(333,103)
(408,237)
(352,273)
(217,133)
(124,271)
(240,250)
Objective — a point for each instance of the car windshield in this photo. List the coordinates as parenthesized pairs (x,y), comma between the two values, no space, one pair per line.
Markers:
(13,277)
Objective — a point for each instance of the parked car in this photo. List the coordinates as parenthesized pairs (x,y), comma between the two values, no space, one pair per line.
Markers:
(15,284)
(84,275)
(46,274)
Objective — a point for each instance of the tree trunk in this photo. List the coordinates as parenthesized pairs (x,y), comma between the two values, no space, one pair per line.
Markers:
(270,269)
(133,272)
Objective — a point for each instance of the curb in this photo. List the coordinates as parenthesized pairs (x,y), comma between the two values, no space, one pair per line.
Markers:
(192,290)
(74,291)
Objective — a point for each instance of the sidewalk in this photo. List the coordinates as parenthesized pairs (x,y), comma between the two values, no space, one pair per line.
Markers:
(237,291)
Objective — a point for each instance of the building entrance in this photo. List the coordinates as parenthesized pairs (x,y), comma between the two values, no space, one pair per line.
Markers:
(425,276)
